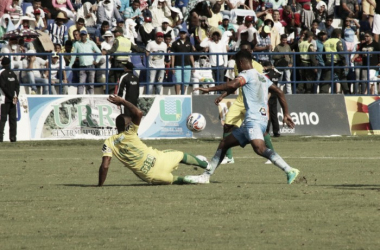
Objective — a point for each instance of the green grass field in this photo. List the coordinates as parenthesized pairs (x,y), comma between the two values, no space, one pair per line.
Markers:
(48,199)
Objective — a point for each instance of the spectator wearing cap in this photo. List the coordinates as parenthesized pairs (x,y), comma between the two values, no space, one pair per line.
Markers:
(9,91)
(321,13)
(120,45)
(248,25)
(33,76)
(62,6)
(182,63)
(263,44)
(29,11)
(376,23)
(308,74)
(86,63)
(274,33)
(58,75)
(176,17)
(79,25)
(326,26)
(218,62)
(334,44)
(57,29)
(216,17)
(40,25)
(321,39)
(159,10)
(146,31)
(166,29)
(285,61)
(226,25)
(129,87)
(100,75)
(156,63)
(108,12)
(100,32)
(134,12)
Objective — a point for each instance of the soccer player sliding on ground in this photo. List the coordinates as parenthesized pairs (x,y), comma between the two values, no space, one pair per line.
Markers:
(255,92)
(150,165)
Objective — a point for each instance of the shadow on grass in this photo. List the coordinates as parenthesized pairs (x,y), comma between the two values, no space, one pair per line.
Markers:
(356,186)
(108,185)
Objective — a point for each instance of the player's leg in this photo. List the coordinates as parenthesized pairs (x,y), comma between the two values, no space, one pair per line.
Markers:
(4,109)
(190,159)
(227,130)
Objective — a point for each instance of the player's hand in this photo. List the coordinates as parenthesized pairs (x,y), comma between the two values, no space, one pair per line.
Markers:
(288,121)
(218,100)
(204,90)
(115,99)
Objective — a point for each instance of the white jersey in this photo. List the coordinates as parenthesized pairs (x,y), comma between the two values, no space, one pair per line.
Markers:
(255,94)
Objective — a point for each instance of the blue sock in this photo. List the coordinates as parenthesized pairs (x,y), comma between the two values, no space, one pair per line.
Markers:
(276,160)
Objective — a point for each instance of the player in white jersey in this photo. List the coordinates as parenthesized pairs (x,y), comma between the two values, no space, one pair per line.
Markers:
(255,93)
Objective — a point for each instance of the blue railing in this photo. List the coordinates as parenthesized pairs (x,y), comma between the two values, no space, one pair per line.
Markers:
(145,71)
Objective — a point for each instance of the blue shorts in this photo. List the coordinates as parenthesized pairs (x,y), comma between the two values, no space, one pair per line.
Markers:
(186,74)
(250,131)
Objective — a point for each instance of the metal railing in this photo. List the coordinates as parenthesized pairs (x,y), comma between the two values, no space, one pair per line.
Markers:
(145,71)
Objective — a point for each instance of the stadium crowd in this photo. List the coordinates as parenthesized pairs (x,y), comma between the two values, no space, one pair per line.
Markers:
(159,28)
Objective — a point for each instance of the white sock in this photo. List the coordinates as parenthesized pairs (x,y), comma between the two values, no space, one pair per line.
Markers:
(214,163)
(279,162)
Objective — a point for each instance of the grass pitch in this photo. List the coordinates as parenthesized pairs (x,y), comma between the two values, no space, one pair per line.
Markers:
(48,199)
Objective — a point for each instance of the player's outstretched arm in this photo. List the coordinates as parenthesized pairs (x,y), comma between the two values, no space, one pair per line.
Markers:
(136,113)
(229,86)
(284,105)
(106,160)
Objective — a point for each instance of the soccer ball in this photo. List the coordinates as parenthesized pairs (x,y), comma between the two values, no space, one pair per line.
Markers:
(196,122)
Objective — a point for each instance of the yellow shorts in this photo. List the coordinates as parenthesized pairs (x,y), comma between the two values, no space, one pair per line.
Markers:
(235,114)
(368,9)
(161,173)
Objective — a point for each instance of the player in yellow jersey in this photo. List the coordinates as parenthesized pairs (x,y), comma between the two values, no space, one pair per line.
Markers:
(149,164)
(236,112)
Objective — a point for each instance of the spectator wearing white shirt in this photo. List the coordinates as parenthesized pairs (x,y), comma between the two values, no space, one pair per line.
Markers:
(159,9)
(36,6)
(13,47)
(105,45)
(216,17)
(58,74)
(35,64)
(215,45)
(156,61)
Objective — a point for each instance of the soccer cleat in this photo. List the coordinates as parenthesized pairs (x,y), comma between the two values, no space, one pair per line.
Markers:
(197,179)
(227,160)
(292,175)
(268,162)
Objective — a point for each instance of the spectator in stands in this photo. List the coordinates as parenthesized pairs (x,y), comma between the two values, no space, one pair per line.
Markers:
(86,62)
(175,18)
(13,47)
(201,9)
(130,30)
(58,75)
(17,13)
(76,35)
(61,5)
(285,61)
(4,23)
(368,8)
(146,31)
(156,64)
(105,45)
(376,23)
(79,25)
(108,12)
(348,8)
(350,27)
(36,6)
(182,45)
(307,16)
(100,32)
(290,18)
(234,4)
(216,17)
(40,24)
(263,44)
(86,12)
(201,32)
(33,76)
(321,13)
(326,26)
(6,7)
(57,30)
(369,46)
(277,22)
(333,44)
(274,34)
(248,25)
(134,12)
(308,75)
(168,73)
(218,62)
(226,25)
(159,10)
(322,37)
(300,4)
(166,29)
(359,87)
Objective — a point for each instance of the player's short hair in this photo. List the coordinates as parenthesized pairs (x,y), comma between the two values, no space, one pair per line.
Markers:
(243,55)
(120,123)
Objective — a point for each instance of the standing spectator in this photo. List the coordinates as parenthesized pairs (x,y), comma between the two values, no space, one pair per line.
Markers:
(108,12)
(61,5)
(321,13)
(57,30)
(168,73)
(350,27)
(333,44)
(134,12)
(156,62)
(201,32)
(376,23)
(274,34)
(146,31)
(248,25)
(285,61)
(226,25)
(307,60)
(263,44)
(9,90)
(58,74)
(371,61)
(277,22)
(358,62)
(182,45)
(87,63)
(215,45)
(159,10)
(368,7)
(99,33)
(79,25)
(36,6)
(326,26)
(33,76)
(100,75)
(216,17)
(129,86)
(166,29)
(349,8)
(322,37)
(130,30)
